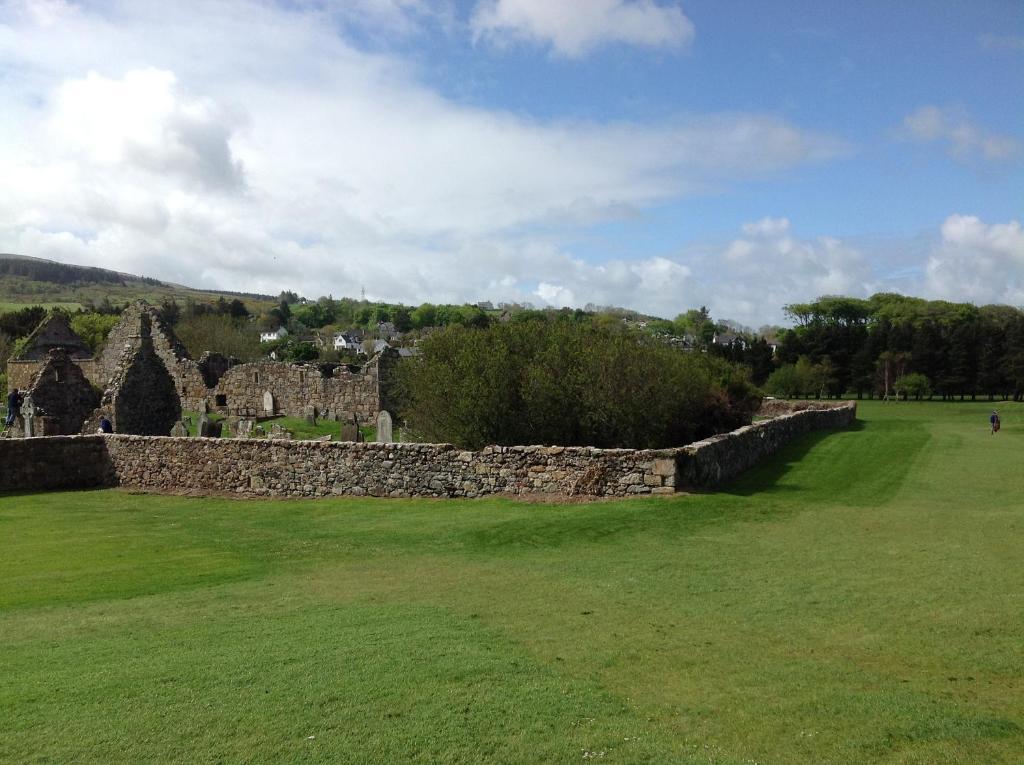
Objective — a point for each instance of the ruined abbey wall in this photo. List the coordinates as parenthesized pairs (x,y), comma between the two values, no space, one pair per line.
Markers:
(264,468)
(270,387)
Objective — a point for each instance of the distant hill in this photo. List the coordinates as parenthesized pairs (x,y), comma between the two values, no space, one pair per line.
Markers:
(28,281)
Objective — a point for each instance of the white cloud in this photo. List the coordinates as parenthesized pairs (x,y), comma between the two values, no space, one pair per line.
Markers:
(574,28)
(979,262)
(259,150)
(767,227)
(965,140)
(144,122)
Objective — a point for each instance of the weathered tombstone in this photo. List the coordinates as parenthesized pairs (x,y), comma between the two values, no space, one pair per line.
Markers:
(28,412)
(243,429)
(179,430)
(349,431)
(212,430)
(202,425)
(384,430)
(279,433)
(310,414)
(268,402)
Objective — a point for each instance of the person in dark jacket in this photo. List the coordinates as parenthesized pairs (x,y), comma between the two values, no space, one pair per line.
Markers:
(993,420)
(14,399)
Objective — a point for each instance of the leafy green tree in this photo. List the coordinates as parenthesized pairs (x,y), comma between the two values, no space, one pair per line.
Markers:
(566,382)
(785,382)
(914,385)
(93,328)
(220,334)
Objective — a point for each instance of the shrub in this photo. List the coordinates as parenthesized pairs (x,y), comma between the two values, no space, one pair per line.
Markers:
(567,383)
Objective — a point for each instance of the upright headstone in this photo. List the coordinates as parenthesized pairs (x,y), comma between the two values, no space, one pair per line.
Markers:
(179,430)
(28,411)
(202,425)
(310,414)
(350,431)
(268,402)
(243,429)
(211,429)
(384,431)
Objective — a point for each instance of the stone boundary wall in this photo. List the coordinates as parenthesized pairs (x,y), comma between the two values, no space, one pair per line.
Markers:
(275,468)
(56,462)
(715,460)
(773,407)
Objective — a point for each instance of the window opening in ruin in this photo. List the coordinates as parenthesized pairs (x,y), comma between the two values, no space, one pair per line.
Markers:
(302,378)
(221,399)
(256,377)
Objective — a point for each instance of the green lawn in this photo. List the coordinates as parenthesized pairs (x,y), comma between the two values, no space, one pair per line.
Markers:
(858,600)
(299,428)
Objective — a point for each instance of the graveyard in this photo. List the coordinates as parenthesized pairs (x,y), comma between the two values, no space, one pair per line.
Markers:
(854,598)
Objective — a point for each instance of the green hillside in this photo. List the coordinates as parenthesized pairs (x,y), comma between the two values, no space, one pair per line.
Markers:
(28,281)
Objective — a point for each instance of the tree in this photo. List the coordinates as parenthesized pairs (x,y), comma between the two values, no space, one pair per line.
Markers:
(567,382)
(914,384)
(220,334)
(93,328)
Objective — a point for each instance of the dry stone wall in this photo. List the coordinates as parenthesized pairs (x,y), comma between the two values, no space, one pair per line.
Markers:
(283,468)
(713,461)
(60,462)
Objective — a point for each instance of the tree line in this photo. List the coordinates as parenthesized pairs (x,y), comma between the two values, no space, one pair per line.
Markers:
(893,345)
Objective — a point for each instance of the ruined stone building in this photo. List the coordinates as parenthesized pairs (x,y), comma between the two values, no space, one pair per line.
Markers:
(147,379)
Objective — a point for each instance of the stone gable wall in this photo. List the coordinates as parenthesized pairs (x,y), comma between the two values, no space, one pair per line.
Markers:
(54,332)
(61,391)
(274,468)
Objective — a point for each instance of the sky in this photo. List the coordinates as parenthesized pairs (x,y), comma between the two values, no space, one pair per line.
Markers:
(650,154)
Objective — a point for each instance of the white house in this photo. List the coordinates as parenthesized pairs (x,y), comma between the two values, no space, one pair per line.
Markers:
(270,337)
(343,341)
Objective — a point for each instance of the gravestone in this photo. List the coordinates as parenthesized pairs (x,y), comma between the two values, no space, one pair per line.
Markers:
(243,429)
(202,425)
(179,430)
(28,412)
(211,429)
(280,434)
(384,430)
(310,414)
(349,431)
(268,402)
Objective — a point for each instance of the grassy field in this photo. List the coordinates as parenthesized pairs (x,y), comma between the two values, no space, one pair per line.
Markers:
(8,307)
(860,599)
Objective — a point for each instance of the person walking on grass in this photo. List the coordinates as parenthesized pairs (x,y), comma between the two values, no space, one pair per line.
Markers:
(993,420)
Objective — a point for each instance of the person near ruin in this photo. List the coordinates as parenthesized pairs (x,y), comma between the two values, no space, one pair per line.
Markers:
(14,400)
(993,420)
(105,426)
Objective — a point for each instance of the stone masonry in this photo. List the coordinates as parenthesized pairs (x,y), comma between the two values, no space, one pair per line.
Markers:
(282,468)
(215,382)
(61,391)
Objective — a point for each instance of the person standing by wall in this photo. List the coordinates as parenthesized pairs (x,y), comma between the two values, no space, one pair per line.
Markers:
(14,399)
